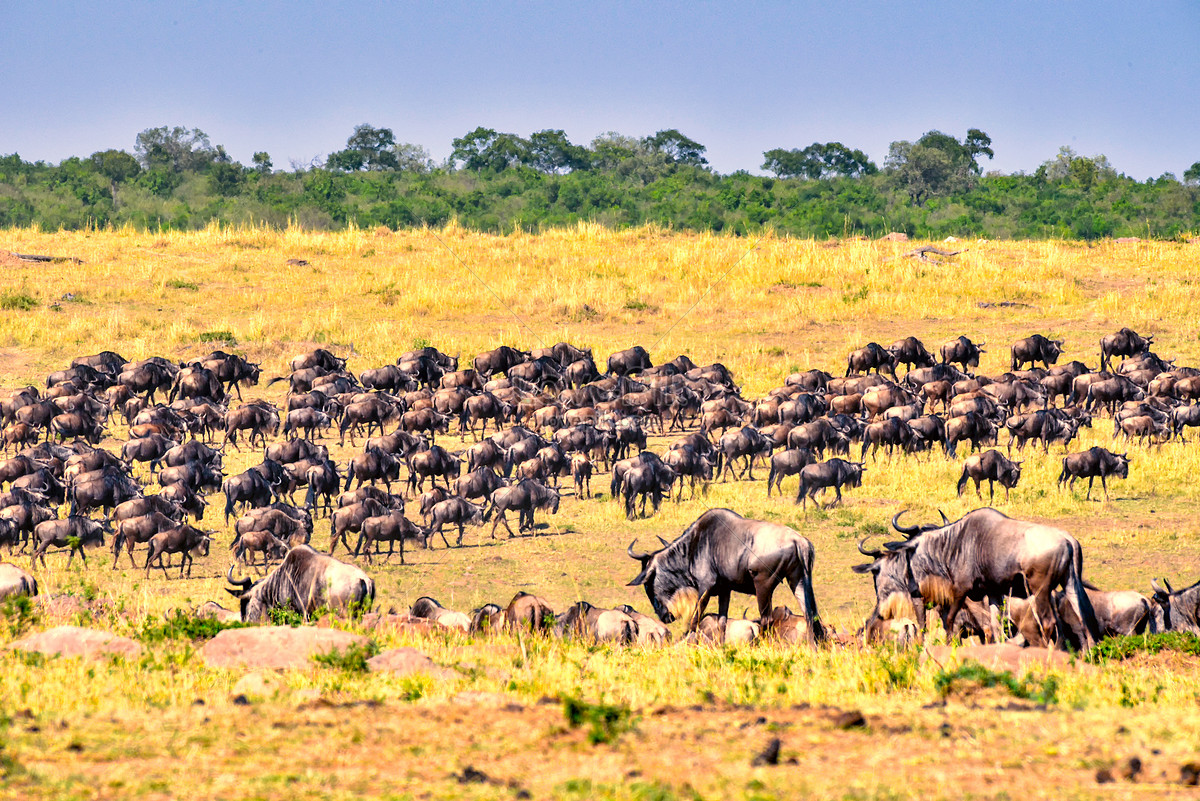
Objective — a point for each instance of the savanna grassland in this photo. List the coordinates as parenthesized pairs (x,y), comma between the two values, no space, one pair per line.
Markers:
(682,722)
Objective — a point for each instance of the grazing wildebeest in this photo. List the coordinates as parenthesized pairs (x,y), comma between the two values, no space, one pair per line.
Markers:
(455,511)
(962,351)
(184,496)
(871,357)
(648,480)
(373,465)
(72,532)
(526,497)
(911,352)
(992,466)
(786,463)
(689,462)
(1033,349)
(720,553)
(1125,342)
(836,473)
(985,556)
(631,360)
(391,528)
(305,581)
(1089,464)
(186,540)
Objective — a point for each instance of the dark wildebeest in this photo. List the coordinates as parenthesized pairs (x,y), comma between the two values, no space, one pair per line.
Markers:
(482,407)
(427,421)
(373,465)
(480,483)
(136,530)
(962,351)
(1112,392)
(1182,416)
(349,519)
(145,506)
(746,442)
(73,532)
(488,363)
(649,480)
(436,461)
(150,449)
(891,433)
(318,357)
(985,556)
(308,421)
(1178,610)
(836,473)
(694,465)
(1045,425)
(231,370)
(871,357)
(256,417)
(992,466)
(368,412)
(720,553)
(184,496)
(102,492)
(193,451)
(186,540)
(197,382)
(911,352)
(786,463)
(631,360)
(1125,342)
(76,424)
(971,426)
(581,473)
(526,497)
(584,621)
(1033,349)
(106,361)
(305,581)
(454,511)
(253,487)
(323,482)
(391,528)
(1093,462)
(388,378)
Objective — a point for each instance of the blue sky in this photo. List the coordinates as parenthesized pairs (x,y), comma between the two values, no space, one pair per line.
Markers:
(293,78)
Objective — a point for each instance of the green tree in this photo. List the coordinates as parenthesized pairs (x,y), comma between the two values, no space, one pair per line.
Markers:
(117,166)
(262,162)
(818,161)
(1191,175)
(368,148)
(485,149)
(678,148)
(551,151)
(412,158)
(177,149)
(611,148)
(226,179)
(937,163)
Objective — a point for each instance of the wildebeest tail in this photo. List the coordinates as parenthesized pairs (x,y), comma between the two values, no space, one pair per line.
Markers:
(810,598)
(310,497)
(1077,597)
(349,475)
(1065,474)
(275,381)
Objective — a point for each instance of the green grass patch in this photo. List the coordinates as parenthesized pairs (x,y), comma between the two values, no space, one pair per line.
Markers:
(217,336)
(18,301)
(967,674)
(606,722)
(182,626)
(1116,649)
(352,660)
(176,283)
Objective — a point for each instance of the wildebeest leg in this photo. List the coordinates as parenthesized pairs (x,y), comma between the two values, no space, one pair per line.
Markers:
(701,603)
(978,494)
(750,466)
(950,616)
(1089,492)
(1104,484)
(461,531)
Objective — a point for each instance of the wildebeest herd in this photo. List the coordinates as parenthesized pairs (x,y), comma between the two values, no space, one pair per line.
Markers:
(555,414)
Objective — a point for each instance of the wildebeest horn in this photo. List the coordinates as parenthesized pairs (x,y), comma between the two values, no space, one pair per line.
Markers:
(244,583)
(664,542)
(1158,589)
(945,520)
(908,530)
(873,554)
(640,557)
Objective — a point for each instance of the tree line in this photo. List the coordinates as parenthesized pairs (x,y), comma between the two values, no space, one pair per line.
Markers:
(935,186)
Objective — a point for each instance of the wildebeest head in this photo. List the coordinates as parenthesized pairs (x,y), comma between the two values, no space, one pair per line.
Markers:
(1009,476)
(1180,608)
(667,580)
(251,607)
(894,586)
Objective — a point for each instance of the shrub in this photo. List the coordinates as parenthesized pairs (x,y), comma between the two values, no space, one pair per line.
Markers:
(182,626)
(607,721)
(176,283)
(352,660)
(18,301)
(216,336)
(1045,693)
(1115,649)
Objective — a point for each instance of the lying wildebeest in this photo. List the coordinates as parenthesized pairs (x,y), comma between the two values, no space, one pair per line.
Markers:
(524,612)
(73,532)
(585,621)
(1125,342)
(526,497)
(720,553)
(1119,613)
(992,466)
(649,631)
(186,540)
(985,556)
(718,630)
(871,357)
(427,608)
(305,581)
(836,473)
(1089,464)
(1178,610)
(1033,349)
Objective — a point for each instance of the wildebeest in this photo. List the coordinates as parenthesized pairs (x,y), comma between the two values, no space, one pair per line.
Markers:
(436,461)
(349,519)
(581,473)
(890,433)
(962,351)
(871,357)
(1179,610)
(526,497)
(835,473)
(747,442)
(131,531)
(1125,342)
(103,491)
(15,582)
(992,466)
(973,427)
(985,556)
(253,487)
(72,532)
(391,528)
(628,361)
(454,511)
(1033,349)
(427,608)
(231,370)
(305,581)
(786,463)
(647,480)
(720,553)
(585,621)
(911,352)
(373,465)
(370,411)
(257,417)
(185,539)
(499,360)
(480,483)
(1092,463)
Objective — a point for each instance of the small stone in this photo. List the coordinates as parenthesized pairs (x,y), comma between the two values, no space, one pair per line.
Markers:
(850,719)
(241,700)
(1189,774)
(1129,768)
(1104,776)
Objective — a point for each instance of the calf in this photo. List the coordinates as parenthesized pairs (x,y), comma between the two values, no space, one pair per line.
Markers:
(185,540)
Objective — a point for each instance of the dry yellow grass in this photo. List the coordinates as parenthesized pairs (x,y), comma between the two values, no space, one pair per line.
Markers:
(771,307)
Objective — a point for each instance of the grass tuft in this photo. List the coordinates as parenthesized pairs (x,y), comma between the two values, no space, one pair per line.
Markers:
(352,660)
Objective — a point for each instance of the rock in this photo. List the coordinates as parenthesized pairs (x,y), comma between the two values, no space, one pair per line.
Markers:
(258,684)
(399,623)
(1129,768)
(275,646)
(894,236)
(1004,656)
(404,661)
(214,611)
(15,582)
(77,641)
(850,719)
(1189,774)
(1104,776)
